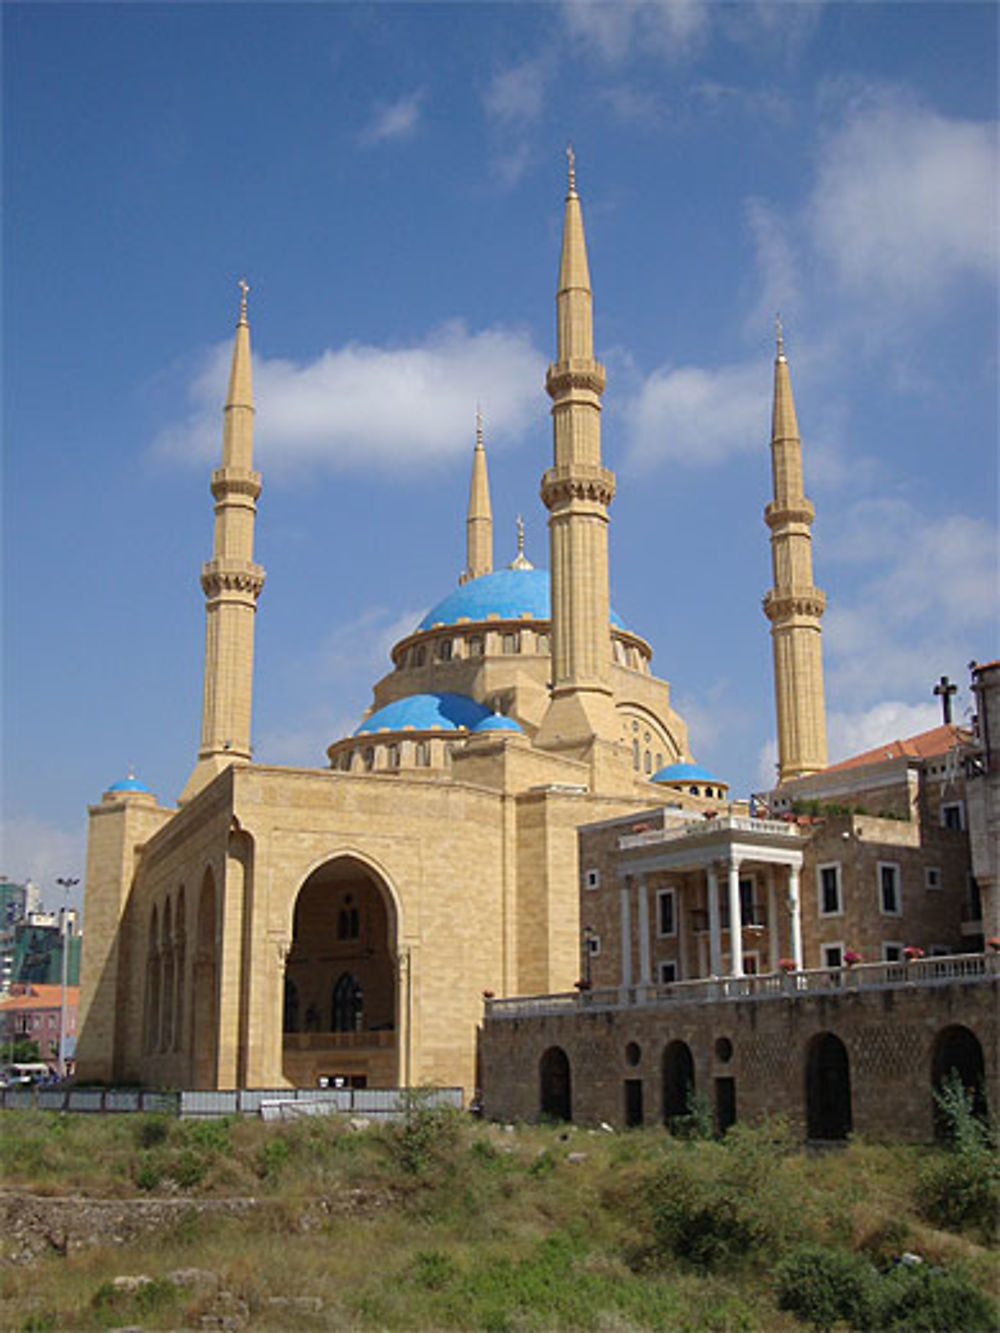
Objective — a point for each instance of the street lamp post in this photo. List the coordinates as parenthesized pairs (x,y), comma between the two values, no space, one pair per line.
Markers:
(66,883)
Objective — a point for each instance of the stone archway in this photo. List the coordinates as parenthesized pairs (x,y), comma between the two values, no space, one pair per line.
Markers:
(678,1081)
(555,1098)
(957,1050)
(341,992)
(204,999)
(828,1088)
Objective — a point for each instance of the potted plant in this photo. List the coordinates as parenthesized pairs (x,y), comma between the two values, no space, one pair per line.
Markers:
(786,964)
(994,943)
(851,957)
(913,953)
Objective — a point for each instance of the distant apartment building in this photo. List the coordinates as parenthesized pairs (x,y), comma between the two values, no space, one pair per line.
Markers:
(32,1013)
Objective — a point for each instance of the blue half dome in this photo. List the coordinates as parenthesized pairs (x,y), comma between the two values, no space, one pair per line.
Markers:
(130,784)
(506,594)
(427,712)
(497,722)
(686,773)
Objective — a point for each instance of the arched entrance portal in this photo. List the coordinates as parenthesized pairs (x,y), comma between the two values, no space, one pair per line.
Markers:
(957,1051)
(678,1082)
(341,992)
(828,1088)
(555,1092)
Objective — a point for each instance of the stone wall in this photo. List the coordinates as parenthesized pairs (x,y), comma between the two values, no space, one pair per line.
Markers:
(890,1035)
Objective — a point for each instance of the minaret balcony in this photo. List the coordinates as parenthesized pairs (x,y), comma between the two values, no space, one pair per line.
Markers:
(227,481)
(577,481)
(802,511)
(805,602)
(584,373)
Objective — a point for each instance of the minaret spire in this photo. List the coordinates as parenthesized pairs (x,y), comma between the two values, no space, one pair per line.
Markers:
(793,605)
(231,580)
(577,490)
(479,523)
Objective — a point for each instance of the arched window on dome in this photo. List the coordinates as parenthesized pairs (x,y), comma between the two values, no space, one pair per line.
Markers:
(477,645)
(511,643)
(635,754)
(418,655)
(444,650)
(393,756)
(369,758)
(422,754)
(542,644)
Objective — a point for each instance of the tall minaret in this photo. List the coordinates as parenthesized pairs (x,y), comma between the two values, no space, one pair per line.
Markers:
(793,605)
(479,524)
(577,491)
(230,580)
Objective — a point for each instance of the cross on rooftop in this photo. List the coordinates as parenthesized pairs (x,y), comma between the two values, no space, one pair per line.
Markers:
(944,689)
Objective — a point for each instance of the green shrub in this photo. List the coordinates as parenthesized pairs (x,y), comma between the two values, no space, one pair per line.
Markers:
(433,1270)
(922,1299)
(960,1189)
(821,1286)
(148,1176)
(271,1158)
(152,1130)
(424,1135)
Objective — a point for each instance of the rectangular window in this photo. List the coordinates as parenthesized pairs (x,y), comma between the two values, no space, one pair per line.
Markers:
(444,650)
(591,879)
(667,973)
(666,915)
(953,815)
(832,955)
(593,944)
(541,643)
(747,917)
(932,877)
(751,964)
(828,883)
(892,951)
(890,897)
(512,643)
(476,645)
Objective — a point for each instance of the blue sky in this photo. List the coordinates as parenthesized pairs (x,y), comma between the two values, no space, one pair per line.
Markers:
(390,178)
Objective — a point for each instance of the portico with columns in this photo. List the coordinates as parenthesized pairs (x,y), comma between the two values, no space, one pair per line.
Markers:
(679,888)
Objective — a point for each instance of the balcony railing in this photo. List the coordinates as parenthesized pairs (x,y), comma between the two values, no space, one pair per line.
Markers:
(954,968)
(718,824)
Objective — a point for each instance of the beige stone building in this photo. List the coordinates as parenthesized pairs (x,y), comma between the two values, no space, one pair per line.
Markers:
(279,926)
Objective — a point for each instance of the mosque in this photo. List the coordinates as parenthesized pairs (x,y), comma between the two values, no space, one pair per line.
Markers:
(279,926)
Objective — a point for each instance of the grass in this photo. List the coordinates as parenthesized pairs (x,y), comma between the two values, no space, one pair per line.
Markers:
(462,1225)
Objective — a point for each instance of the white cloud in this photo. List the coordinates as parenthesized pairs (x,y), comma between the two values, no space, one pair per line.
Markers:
(35,849)
(698,416)
(517,94)
(924,601)
(613,29)
(849,734)
(905,202)
(394,120)
(362,408)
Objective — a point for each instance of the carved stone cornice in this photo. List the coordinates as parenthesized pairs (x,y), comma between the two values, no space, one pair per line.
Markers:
(577,481)
(239,576)
(808,602)
(235,481)
(564,376)
(801,512)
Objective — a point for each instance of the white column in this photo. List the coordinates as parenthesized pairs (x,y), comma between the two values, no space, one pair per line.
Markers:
(772,921)
(644,973)
(626,928)
(795,912)
(714,934)
(735,922)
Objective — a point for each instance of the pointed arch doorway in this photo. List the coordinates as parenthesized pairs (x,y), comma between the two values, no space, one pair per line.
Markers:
(341,1017)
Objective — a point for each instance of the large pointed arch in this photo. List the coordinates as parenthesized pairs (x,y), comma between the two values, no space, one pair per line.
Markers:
(205,986)
(341,997)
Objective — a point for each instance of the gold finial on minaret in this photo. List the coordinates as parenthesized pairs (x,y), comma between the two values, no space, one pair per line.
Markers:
(479,521)
(571,164)
(577,490)
(231,581)
(779,336)
(793,605)
(520,560)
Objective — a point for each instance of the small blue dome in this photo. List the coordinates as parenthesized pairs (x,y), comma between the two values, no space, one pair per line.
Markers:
(507,594)
(686,773)
(426,712)
(497,722)
(130,784)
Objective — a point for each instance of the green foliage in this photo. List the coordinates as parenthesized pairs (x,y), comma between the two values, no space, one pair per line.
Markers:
(822,1286)
(698,1122)
(960,1189)
(272,1158)
(151,1130)
(433,1269)
(24,1051)
(924,1299)
(424,1135)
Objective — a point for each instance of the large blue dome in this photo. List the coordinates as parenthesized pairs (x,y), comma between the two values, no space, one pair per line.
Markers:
(426,712)
(506,594)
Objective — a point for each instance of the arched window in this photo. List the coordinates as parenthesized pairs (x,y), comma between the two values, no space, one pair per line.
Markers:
(555,1087)
(290,1020)
(369,758)
(636,754)
(678,1081)
(423,754)
(828,1088)
(348,1004)
(957,1053)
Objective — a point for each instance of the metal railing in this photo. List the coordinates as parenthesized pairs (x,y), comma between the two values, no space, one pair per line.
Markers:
(946,970)
(375,1102)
